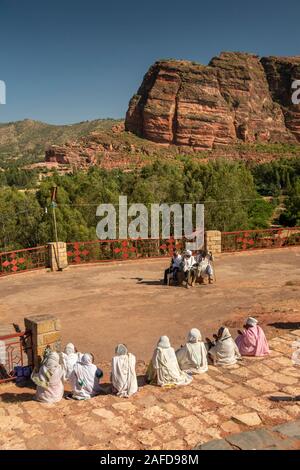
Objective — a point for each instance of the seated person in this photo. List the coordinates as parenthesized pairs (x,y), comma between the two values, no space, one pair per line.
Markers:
(49,380)
(192,358)
(69,358)
(164,370)
(252,340)
(123,375)
(85,378)
(223,351)
(204,265)
(175,266)
(187,267)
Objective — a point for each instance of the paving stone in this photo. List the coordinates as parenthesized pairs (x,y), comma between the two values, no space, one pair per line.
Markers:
(253,440)
(262,385)
(239,392)
(221,398)
(175,410)
(296,332)
(292,410)
(262,369)
(230,427)
(229,410)
(216,444)
(147,437)
(276,414)
(210,417)
(156,414)
(289,429)
(125,407)
(292,390)
(191,424)
(177,444)
(283,361)
(249,419)
(103,413)
(258,403)
(123,443)
(292,371)
(282,379)
(166,432)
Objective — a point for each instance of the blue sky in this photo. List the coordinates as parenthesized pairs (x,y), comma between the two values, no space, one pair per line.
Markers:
(68,61)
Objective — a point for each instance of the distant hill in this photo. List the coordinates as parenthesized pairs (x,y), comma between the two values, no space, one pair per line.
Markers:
(27,140)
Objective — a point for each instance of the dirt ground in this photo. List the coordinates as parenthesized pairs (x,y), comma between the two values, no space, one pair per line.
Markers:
(101,305)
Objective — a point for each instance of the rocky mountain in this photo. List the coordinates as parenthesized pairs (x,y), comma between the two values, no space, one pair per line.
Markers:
(238,97)
(26,141)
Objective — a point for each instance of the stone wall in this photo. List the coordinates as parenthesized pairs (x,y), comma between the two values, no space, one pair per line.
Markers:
(45,330)
(213,241)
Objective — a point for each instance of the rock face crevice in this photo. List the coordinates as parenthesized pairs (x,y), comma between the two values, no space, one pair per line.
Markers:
(237,97)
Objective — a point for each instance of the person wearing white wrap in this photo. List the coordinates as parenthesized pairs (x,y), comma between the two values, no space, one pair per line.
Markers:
(164,370)
(192,357)
(49,380)
(84,378)
(123,375)
(224,350)
(69,357)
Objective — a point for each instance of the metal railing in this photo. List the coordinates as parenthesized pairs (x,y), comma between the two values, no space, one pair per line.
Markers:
(17,352)
(27,259)
(120,250)
(259,239)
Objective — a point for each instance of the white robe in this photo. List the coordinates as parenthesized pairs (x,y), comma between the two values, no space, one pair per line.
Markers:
(166,367)
(68,362)
(225,351)
(123,375)
(192,358)
(84,382)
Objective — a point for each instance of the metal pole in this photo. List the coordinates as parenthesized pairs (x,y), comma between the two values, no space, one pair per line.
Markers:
(53,204)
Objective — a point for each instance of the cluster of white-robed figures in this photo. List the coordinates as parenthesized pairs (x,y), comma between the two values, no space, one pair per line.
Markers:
(167,367)
(83,375)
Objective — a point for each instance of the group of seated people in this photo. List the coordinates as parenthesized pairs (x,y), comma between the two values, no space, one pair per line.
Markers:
(167,367)
(192,267)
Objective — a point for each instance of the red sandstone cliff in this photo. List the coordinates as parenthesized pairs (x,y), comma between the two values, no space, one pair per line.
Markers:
(237,97)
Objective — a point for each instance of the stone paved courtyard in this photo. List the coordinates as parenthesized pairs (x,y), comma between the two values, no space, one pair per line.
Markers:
(222,402)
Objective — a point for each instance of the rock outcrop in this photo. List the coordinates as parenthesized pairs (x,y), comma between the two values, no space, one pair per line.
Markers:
(237,97)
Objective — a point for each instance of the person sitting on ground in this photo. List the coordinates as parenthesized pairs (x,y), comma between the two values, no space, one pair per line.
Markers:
(187,267)
(123,375)
(175,266)
(223,351)
(204,260)
(164,370)
(85,378)
(192,358)
(49,380)
(252,340)
(69,357)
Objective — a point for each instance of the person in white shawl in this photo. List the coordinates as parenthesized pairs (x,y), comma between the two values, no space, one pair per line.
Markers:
(164,370)
(192,358)
(84,378)
(49,380)
(69,357)
(224,350)
(123,375)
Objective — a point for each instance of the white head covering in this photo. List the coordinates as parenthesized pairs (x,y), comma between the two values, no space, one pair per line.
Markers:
(188,252)
(121,349)
(69,349)
(194,335)
(164,342)
(47,369)
(251,321)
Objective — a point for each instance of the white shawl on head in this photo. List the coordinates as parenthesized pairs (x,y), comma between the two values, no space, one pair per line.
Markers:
(83,379)
(123,374)
(48,379)
(192,357)
(165,363)
(68,359)
(225,351)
